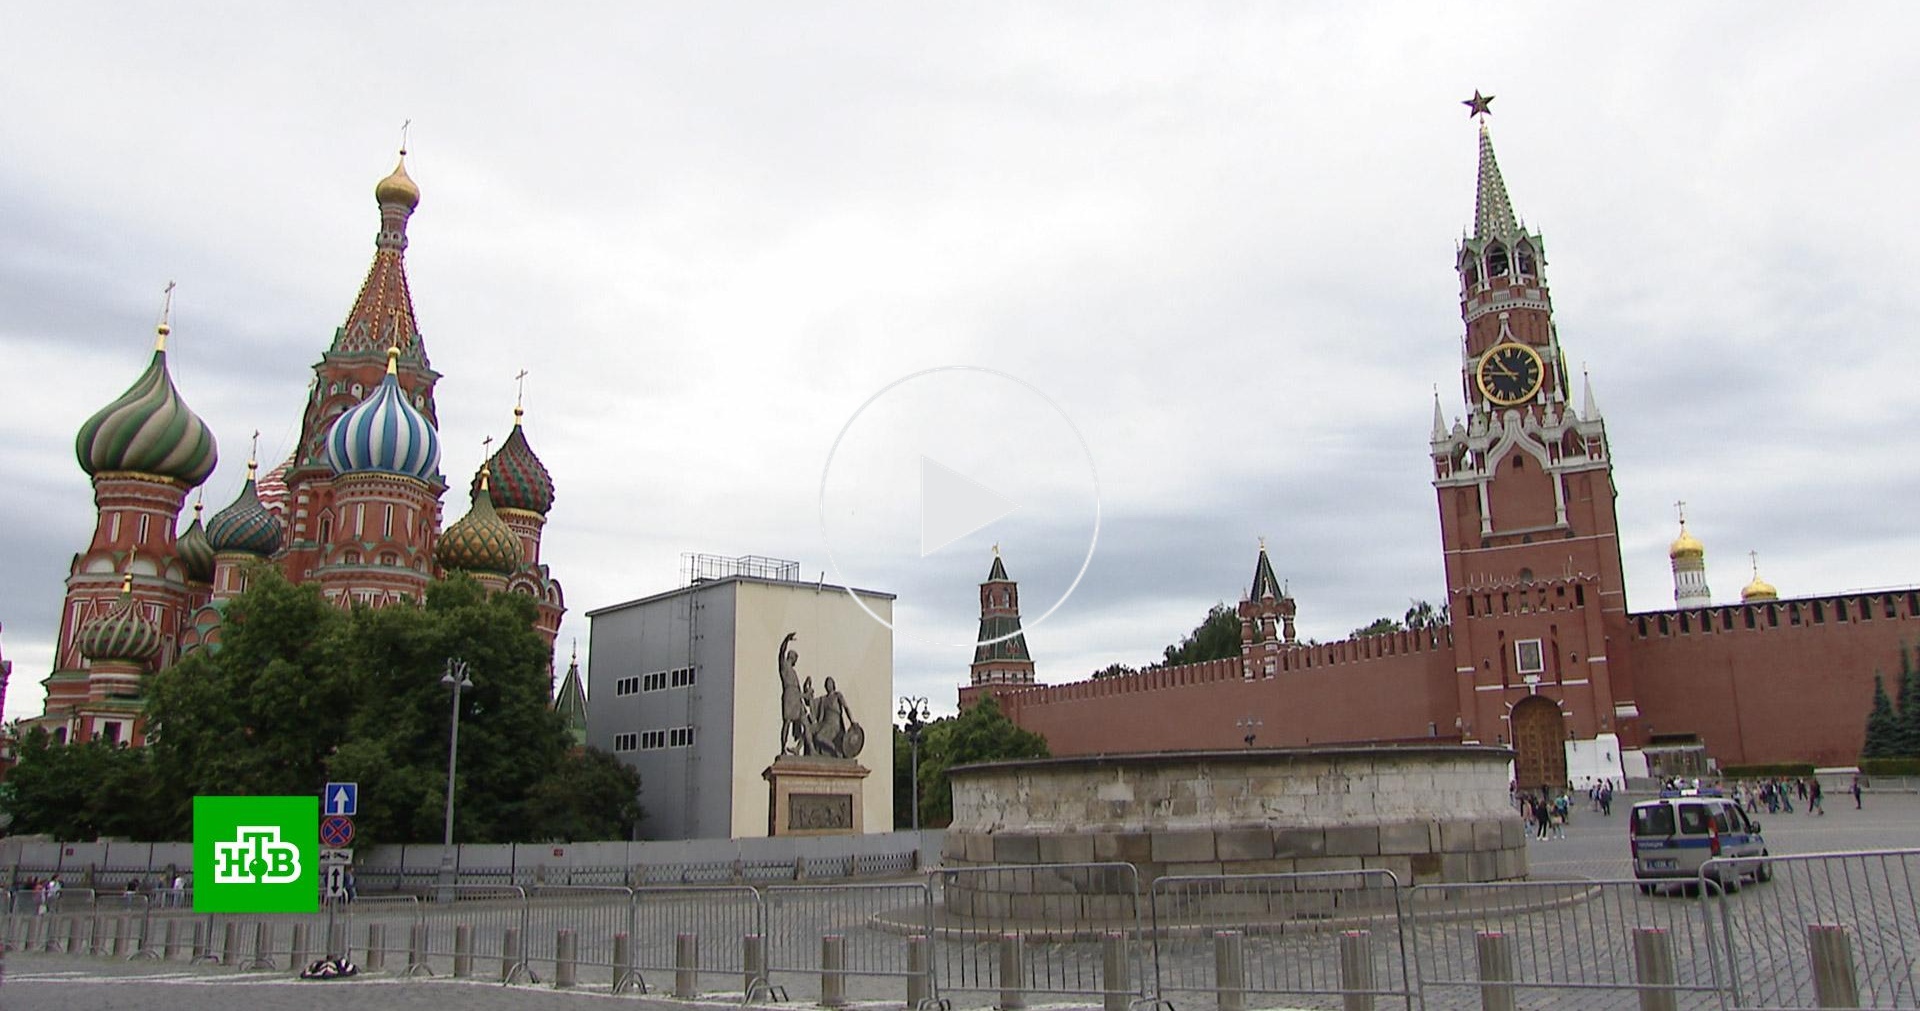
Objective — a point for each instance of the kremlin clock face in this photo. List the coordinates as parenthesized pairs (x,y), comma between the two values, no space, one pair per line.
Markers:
(1510,374)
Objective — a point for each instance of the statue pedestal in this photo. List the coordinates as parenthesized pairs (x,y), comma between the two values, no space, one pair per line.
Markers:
(811,795)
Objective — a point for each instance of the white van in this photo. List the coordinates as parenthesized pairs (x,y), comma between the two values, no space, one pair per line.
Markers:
(1673,837)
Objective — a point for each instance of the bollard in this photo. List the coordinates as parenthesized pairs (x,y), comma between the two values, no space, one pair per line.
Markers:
(566,950)
(1230,970)
(230,943)
(336,940)
(116,942)
(833,977)
(417,951)
(262,947)
(1113,971)
(1013,974)
(753,959)
(376,957)
(462,950)
(297,947)
(624,974)
(96,944)
(686,966)
(1654,969)
(1356,969)
(920,972)
(1495,953)
(202,943)
(512,966)
(1834,983)
(170,945)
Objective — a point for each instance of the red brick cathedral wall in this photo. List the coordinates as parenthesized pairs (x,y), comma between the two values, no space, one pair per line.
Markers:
(1788,681)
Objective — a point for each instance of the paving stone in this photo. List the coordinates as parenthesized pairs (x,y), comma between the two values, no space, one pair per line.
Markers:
(1353,840)
(1406,837)
(1183,846)
(1244,844)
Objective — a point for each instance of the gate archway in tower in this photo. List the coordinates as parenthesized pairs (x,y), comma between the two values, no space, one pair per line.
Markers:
(1540,752)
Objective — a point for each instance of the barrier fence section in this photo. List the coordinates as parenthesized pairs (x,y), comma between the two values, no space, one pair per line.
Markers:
(683,936)
(595,915)
(1051,929)
(1608,938)
(819,937)
(1825,930)
(464,924)
(1317,939)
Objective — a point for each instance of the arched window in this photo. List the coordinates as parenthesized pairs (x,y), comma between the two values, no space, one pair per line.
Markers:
(1496,260)
(1524,261)
(1470,271)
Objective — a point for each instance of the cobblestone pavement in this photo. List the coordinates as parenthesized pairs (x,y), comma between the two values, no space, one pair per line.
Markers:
(1580,938)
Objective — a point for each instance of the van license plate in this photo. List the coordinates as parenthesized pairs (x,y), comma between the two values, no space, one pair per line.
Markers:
(1661,865)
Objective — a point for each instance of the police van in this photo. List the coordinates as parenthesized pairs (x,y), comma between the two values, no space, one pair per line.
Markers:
(1674,836)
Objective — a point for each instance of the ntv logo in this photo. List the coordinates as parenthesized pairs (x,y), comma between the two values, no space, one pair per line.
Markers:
(258,857)
(256,854)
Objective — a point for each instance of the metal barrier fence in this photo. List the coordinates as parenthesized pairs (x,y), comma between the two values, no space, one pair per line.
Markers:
(1052,930)
(1320,939)
(1829,930)
(1609,939)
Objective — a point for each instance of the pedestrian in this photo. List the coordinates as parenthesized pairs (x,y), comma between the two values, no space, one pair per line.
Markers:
(1856,791)
(1561,809)
(177,894)
(1813,800)
(53,893)
(1800,786)
(40,895)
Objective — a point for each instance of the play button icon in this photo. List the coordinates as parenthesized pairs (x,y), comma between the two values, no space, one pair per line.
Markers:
(936,469)
(953,505)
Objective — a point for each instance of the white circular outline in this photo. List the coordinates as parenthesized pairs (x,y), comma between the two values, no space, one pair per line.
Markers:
(1086,451)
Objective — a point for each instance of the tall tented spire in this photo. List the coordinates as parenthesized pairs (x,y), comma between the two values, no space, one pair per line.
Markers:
(1590,408)
(571,702)
(1492,210)
(1265,584)
(1000,657)
(382,314)
(1439,418)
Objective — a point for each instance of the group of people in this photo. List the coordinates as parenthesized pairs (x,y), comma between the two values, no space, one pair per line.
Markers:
(46,893)
(1546,813)
(1778,794)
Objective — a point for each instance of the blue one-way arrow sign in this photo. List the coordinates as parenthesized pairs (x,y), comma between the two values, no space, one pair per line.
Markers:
(341,798)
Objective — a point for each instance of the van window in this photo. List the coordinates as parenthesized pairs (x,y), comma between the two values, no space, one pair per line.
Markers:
(1654,819)
(1693,819)
(1723,822)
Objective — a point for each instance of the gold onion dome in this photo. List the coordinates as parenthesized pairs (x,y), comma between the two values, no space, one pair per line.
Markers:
(195,551)
(398,187)
(148,430)
(1758,590)
(481,541)
(123,633)
(1686,545)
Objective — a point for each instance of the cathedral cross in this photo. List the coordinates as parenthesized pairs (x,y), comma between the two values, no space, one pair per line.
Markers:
(519,389)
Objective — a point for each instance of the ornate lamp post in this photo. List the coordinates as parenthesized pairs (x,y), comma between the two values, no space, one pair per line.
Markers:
(457,679)
(914,713)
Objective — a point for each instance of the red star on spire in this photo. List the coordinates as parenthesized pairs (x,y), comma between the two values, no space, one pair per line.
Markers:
(1477,105)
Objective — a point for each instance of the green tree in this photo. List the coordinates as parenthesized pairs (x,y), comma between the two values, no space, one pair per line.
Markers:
(1421,614)
(1377,626)
(571,803)
(981,733)
(1114,670)
(1882,725)
(1905,739)
(1216,638)
(82,791)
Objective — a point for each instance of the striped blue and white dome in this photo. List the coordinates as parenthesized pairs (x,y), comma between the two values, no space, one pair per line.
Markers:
(385,434)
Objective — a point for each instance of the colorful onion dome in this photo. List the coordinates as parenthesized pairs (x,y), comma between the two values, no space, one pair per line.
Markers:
(246,525)
(481,541)
(195,551)
(385,434)
(398,187)
(1686,545)
(149,430)
(272,488)
(518,479)
(123,633)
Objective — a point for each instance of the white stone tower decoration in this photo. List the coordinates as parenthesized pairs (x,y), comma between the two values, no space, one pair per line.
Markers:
(1689,559)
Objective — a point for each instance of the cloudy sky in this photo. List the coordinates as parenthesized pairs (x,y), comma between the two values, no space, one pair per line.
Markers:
(1218,239)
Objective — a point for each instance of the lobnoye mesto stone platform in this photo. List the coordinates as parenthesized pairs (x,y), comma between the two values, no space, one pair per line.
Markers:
(1427,813)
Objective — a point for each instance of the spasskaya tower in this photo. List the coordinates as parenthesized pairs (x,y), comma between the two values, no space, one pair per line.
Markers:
(1526,495)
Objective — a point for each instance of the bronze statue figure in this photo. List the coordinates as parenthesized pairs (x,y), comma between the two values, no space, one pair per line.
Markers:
(794,717)
(810,725)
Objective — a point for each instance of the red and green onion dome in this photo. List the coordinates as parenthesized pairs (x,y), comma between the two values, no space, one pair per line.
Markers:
(272,487)
(481,541)
(149,430)
(518,480)
(384,434)
(123,633)
(246,525)
(195,551)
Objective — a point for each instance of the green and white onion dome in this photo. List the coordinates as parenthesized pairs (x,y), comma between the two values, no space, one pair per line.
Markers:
(481,541)
(246,525)
(195,551)
(385,434)
(149,430)
(123,633)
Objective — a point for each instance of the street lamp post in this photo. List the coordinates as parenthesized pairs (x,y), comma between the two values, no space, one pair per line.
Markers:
(1250,724)
(914,713)
(455,678)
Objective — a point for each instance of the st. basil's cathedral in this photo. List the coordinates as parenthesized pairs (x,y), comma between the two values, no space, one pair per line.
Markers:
(355,509)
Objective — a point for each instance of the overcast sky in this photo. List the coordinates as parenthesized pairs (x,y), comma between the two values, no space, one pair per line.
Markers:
(1219,239)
